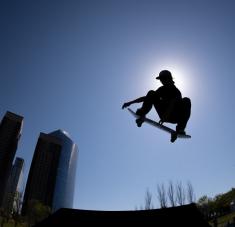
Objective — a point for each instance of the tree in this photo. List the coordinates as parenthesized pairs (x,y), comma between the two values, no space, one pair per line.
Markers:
(2,216)
(17,204)
(171,194)
(5,216)
(37,211)
(148,200)
(190,193)
(161,191)
(206,206)
(180,194)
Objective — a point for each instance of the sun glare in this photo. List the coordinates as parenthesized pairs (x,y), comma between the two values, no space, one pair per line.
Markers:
(180,74)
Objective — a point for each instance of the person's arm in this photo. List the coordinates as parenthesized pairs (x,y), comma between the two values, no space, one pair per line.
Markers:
(126,104)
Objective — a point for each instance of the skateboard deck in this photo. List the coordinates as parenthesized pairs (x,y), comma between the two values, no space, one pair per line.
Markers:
(160,126)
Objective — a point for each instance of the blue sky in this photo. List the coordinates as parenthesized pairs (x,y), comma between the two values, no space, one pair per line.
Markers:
(71,65)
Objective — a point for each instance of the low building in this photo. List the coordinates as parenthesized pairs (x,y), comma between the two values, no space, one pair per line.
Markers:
(182,216)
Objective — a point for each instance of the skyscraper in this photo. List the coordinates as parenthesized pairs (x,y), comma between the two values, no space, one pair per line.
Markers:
(65,179)
(42,175)
(14,187)
(52,173)
(10,132)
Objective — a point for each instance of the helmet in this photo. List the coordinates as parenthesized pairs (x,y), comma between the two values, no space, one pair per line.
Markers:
(165,75)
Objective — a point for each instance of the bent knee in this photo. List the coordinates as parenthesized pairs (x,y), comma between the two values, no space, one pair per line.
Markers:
(151,93)
(150,96)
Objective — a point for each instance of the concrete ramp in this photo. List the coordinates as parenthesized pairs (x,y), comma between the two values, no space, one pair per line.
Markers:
(181,216)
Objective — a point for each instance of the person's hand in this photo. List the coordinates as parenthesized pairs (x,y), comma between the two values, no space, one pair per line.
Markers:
(125,105)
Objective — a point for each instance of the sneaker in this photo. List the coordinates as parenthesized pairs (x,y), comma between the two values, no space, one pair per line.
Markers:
(173,137)
(181,132)
(139,121)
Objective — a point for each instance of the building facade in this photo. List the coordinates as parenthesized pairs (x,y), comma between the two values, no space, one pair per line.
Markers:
(14,189)
(43,170)
(66,173)
(52,173)
(10,132)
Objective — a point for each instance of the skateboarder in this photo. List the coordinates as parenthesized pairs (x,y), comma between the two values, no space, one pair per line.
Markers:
(168,102)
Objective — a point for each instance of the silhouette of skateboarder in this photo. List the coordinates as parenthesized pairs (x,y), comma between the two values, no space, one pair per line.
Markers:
(168,102)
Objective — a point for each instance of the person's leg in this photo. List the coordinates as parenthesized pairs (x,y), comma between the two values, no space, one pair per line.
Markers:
(146,107)
(184,115)
(147,104)
(167,111)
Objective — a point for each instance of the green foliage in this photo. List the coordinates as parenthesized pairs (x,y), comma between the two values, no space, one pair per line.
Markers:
(217,206)
(222,221)
(11,223)
(37,211)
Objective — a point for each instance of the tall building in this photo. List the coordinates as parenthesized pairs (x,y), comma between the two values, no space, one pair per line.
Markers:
(14,189)
(65,179)
(43,171)
(52,174)
(10,132)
